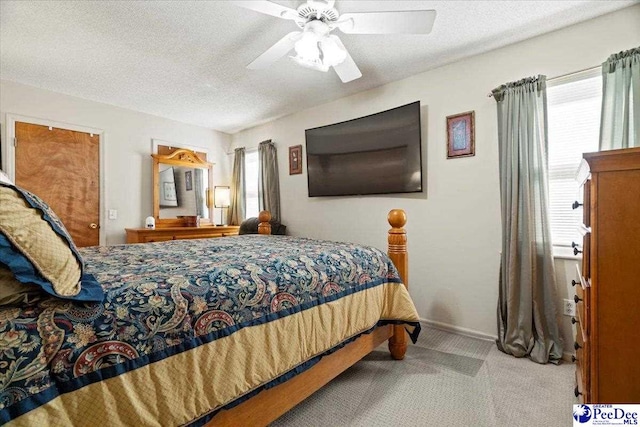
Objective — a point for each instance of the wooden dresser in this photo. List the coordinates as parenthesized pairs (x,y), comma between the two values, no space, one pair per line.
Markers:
(607,339)
(146,235)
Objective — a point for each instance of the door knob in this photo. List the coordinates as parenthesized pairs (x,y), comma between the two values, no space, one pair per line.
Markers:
(93,226)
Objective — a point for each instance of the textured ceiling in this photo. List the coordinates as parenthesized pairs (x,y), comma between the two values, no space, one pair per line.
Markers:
(186,60)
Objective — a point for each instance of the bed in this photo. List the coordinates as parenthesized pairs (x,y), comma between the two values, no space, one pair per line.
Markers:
(228,331)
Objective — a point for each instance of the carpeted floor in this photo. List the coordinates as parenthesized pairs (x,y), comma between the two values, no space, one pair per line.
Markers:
(445,380)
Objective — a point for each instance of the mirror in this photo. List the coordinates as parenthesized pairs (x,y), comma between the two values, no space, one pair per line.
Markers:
(182,187)
(168,196)
(183,191)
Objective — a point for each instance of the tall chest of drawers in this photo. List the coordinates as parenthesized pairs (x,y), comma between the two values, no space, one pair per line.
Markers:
(607,338)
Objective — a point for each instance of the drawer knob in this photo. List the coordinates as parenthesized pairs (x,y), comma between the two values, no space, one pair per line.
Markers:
(573,321)
(577,392)
(577,346)
(577,299)
(573,283)
(573,359)
(576,205)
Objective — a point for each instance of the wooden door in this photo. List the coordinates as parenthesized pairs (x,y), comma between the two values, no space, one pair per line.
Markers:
(62,167)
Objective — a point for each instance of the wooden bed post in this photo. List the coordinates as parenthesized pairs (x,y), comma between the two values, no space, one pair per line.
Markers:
(264,227)
(398,254)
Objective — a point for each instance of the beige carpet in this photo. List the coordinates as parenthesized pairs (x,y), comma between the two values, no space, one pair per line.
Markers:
(445,380)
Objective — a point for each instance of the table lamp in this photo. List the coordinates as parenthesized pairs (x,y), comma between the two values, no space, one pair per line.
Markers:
(221,199)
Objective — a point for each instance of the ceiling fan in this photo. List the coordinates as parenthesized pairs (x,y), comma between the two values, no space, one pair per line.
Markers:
(317,48)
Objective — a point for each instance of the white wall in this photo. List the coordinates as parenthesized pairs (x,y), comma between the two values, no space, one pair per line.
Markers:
(127,139)
(454,228)
(565,272)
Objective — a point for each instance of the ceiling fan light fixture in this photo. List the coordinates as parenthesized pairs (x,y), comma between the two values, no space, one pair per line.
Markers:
(332,53)
(307,47)
(309,50)
(318,50)
(314,64)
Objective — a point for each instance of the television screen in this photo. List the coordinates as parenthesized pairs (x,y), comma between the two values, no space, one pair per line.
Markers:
(376,154)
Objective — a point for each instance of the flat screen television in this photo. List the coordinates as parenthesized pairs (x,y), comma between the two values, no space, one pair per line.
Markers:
(376,154)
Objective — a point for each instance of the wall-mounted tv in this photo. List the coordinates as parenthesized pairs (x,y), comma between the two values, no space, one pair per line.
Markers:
(376,154)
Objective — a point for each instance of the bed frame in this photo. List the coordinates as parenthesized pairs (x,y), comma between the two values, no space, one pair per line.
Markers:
(270,404)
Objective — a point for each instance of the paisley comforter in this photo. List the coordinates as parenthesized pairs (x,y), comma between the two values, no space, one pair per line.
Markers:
(189,327)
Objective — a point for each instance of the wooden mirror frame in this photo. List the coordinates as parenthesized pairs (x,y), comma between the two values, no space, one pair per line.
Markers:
(181,157)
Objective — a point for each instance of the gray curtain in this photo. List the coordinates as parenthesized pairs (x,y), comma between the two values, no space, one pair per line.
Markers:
(527,316)
(620,123)
(237,207)
(198,188)
(268,181)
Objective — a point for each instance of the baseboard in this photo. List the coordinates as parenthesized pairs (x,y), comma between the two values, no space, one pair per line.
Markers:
(566,356)
(458,330)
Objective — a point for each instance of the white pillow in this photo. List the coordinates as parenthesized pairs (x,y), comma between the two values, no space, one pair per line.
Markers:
(5,178)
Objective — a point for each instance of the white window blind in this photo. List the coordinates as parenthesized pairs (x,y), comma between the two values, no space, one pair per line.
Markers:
(574,128)
(251,183)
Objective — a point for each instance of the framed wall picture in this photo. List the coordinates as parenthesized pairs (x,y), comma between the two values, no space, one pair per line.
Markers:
(461,135)
(295,160)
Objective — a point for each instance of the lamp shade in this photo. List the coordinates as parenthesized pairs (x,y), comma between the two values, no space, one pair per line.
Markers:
(221,196)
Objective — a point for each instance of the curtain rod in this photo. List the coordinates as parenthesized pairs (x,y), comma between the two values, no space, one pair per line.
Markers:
(246,150)
(490,95)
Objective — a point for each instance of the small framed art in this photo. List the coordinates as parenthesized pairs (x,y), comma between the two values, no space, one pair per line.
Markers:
(295,160)
(461,135)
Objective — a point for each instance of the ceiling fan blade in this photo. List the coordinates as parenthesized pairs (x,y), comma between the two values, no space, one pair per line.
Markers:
(347,70)
(395,22)
(275,52)
(267,7)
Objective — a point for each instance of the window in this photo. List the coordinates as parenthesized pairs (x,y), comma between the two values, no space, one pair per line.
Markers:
(251,183)
(574,106)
